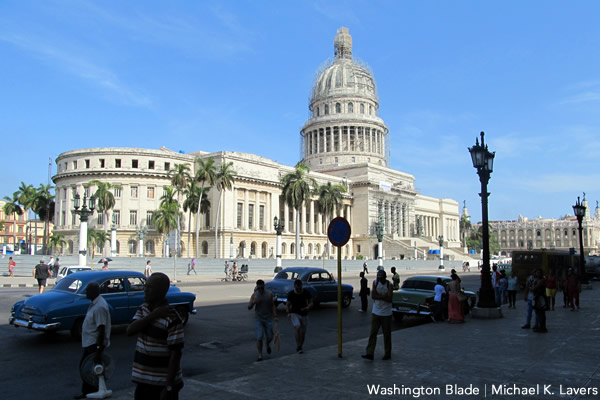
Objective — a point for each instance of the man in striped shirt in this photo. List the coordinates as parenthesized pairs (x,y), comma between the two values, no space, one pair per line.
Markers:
(157,363)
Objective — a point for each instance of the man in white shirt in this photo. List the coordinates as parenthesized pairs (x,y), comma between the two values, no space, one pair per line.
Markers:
(439,291)
(148,270)
(95,332)
(381,316)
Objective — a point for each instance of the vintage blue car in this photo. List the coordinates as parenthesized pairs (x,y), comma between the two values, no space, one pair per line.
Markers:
(64,307)
(318,281)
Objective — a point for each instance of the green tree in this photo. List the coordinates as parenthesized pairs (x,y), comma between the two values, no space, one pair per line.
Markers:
(105,200)
(43,206)
(165,218)
(465,229)
(224,181)
(190,205)
(57,241)
(96,239)
(330,200)
(179,176)
(296,190)
(475,239)
(205,174)
(12,207)
(26,195)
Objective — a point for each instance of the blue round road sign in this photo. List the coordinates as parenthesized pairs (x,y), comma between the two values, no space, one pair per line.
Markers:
(339,231)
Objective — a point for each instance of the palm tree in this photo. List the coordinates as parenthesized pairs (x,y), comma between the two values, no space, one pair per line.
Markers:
(57,240)
(26,195)
(12,207)
(225,179)
(165,218)
(465,229)
(330,200)
(179,176)
(190,205)
(105,199)
(44,207)
(96,239)
(206,173)
(296,190)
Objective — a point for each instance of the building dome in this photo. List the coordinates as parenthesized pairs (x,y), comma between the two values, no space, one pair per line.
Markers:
(344,128)
(343,76)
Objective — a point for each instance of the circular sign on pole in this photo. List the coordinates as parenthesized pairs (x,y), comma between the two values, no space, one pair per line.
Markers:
(339,231)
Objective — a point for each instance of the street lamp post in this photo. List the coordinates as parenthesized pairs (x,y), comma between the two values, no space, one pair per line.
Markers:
(278,225)
(379,233)
(141,231)
(84,214)
(441,242)
(579,210)
(231,245)
(113,236)
(483,161)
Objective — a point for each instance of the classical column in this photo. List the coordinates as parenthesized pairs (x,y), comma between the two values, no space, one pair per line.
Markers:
(320,223)
(312,216)
(286,214)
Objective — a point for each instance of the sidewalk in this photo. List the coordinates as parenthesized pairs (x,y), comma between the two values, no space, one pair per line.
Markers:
(476,360)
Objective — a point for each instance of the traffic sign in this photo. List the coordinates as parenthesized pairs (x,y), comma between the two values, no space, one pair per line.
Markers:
(339,231)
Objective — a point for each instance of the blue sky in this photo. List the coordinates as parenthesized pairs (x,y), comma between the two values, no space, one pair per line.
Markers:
(236,75)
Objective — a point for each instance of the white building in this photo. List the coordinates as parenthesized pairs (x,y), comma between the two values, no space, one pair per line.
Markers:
(344,142)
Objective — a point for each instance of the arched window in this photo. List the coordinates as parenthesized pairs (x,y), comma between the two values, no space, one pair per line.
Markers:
(205,247)
(318,112)
(132,246)
(326,109)
(253,249)
(292,248)
(283,248)
(338,108)
(70,245)
(310,250)
(362,108)
(350,107)
(118,247)
(317,250)
(150,247)
(264,250)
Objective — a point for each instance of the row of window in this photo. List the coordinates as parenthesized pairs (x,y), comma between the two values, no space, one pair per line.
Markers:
(338,109)
(116,218)
(539,233)
(118,163)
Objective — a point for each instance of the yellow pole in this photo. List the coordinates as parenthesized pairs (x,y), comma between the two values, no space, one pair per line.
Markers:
(339,300)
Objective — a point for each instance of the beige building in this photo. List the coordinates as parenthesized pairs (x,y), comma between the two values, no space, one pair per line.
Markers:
(344,142)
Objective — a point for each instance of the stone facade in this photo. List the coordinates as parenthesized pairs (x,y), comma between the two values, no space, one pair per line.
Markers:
(344,142)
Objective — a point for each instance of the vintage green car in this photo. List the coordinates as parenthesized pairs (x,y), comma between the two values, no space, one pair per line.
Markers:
(415,297)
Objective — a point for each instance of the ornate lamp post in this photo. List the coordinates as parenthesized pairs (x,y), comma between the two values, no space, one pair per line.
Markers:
(278,225)
(113,236)
(84,214)
(483,161)
(441,242)
(379,233)
(579,210)
(140,232)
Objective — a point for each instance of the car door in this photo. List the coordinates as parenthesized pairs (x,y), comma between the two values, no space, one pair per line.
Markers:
(329,286)
(114,292)
(314,281)
(135,294)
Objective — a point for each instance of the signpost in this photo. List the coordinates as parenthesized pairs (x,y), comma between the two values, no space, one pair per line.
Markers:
(338,234)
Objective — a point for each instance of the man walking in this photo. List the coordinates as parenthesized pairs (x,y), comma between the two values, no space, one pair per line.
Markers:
(157,363)
(440,291)
(381,293)
(148,270)
(364,292)
(41,273)
(264,314)
(95,332)
(299,301)
(395,279)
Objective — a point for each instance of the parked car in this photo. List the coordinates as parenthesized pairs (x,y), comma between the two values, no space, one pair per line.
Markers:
(415,297)
(68,270)
(318,281)
(64,307)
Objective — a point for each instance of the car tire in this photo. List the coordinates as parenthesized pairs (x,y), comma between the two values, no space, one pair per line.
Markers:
(346,300)
(398,316)
(184,314)
(76,329)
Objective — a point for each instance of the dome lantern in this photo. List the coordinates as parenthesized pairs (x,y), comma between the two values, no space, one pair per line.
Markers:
(342,44)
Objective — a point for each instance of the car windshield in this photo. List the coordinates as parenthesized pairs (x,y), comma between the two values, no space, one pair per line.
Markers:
(68,285)
(287,275)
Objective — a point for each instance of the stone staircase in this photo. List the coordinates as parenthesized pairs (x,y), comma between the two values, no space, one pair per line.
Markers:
(396,248)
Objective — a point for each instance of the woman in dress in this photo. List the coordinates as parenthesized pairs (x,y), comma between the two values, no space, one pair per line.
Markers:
(455,311)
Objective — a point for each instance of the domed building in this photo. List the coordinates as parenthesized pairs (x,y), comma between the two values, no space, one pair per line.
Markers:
(344,142)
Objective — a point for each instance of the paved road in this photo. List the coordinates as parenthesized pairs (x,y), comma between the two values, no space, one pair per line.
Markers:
(218,339)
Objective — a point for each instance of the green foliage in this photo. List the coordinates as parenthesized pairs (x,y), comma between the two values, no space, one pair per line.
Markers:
(474,241)
(56,241)
(360,257)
